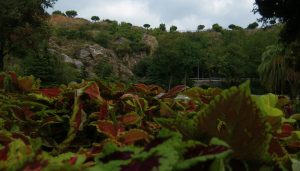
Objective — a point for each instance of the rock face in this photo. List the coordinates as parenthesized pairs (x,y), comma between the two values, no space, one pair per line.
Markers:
(88,55)
(151,41)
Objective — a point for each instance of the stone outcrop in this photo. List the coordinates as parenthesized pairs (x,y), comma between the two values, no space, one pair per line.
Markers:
(87,55)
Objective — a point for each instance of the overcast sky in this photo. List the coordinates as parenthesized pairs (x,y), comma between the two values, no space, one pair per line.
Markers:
(185,14)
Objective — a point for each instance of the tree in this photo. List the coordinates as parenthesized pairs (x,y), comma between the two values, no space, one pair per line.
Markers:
(232,26)
(252,25)
(57,12)
(200,27)
(286,11)
(162,27)
(95,18)
(217,28)
(71,13)
(272,70)
(173,29)
(147,26)
(19,21)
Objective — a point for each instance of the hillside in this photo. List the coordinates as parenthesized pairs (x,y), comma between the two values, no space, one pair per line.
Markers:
(107,49)
(86,44)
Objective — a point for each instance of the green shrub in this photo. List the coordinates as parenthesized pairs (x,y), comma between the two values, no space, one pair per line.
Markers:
(73,34)
(103,38)
(103,69)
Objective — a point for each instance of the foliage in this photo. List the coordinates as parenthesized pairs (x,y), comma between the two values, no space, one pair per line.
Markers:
(147,26)
(272,69)
(103,38)
(162,27)
(21,25)
(96,126)
(173,29)
(252,25)
(71,13)
(200,27)
(57,12)
(282,11)
(217,28)
(103,69)
(95,18)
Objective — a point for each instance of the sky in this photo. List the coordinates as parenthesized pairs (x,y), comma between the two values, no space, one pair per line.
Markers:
(185,14)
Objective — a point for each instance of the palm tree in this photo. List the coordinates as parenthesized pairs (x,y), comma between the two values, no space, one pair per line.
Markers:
(272,70)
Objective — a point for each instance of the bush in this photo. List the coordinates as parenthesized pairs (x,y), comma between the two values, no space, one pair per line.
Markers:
(73,34)
(103,39)
(103,69)
(51,69)
(142,67)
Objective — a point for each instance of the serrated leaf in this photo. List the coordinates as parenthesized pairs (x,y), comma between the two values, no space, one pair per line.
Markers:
(244,127)
(129,119)
(133,135)
(174,91)
(93,91)
(50,92)
(109,128)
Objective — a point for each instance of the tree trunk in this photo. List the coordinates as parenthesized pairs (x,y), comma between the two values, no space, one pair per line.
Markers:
(170,82)
(185,78)
(198,70)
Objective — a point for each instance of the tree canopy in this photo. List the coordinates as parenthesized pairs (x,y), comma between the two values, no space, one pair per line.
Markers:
(147,26)
(71,13)
(286,11)
(95,18)
(18,20)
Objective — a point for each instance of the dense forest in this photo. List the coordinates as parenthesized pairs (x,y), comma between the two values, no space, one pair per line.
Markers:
(98,94)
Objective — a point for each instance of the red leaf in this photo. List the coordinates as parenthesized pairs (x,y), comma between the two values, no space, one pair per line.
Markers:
(79,118)
(1,81)
(276,149)
(129,119)
(142,87)
(109,128)
(286,131)
(36,166)
(93,91)
(3,153)
(50,92)
(103,114)
(14,78)
(174,91)
(134,135)
(73,160)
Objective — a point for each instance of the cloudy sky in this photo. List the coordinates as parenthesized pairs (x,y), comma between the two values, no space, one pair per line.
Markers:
(185,14)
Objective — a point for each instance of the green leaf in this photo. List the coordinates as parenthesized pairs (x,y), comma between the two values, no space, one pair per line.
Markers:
(243,126)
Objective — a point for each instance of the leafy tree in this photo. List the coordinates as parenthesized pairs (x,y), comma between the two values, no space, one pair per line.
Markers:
(200,27)
(162,27)
(95,18)
(173,29)
(272,70)
(232,26)
(286,11)
(19,21)
(57,12)
(173,60)
(147,26)
(252,25)
(217,28)
(71,13)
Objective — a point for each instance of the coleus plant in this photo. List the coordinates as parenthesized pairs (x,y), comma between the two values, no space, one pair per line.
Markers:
(96,126)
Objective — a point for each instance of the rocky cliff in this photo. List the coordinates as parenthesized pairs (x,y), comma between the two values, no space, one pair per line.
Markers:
(86,55)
